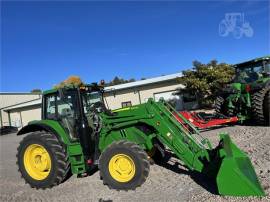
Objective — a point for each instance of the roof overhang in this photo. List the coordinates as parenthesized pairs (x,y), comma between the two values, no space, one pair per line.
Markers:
(143,82)
(23,105)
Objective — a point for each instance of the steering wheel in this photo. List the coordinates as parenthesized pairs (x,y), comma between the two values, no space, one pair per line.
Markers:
(100,107)
(94,107)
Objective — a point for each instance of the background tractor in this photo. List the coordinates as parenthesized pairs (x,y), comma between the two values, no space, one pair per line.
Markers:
(78,133)
(248,96)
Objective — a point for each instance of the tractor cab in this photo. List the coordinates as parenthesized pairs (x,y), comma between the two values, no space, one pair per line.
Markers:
(76,109)
(252,71)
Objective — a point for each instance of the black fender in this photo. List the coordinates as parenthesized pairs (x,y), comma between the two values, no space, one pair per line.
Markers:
(35,127)
(39,127)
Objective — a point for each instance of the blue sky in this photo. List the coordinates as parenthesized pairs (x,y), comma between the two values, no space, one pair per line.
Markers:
(43,43)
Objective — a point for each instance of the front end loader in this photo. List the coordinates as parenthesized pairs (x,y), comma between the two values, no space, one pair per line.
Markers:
(78,134)
(248,96)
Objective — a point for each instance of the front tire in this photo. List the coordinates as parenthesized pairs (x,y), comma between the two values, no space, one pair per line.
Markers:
(42,160)
(124,165)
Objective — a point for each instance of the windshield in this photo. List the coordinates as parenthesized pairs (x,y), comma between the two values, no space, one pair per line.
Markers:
(250,74)
(89,99)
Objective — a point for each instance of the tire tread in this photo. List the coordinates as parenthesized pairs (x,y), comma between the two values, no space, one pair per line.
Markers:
(60,155)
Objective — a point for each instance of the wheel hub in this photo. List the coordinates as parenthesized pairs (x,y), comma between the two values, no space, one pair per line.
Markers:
(122,168)
(37,161)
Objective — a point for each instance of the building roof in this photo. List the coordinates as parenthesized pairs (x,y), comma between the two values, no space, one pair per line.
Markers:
(144,82)
(18,93)
(24,104)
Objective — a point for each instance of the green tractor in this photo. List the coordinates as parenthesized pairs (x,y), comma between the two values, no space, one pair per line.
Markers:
(248,96)
(78,134)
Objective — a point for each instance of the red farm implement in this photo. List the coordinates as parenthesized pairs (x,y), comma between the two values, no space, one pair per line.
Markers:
(203,120)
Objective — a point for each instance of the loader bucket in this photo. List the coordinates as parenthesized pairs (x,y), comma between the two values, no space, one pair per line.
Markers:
(236,175)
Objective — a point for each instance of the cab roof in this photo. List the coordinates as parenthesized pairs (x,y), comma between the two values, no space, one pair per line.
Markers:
(250,62)
(92,86)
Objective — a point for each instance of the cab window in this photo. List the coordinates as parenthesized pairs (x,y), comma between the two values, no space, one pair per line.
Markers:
(65,107)
(50,107)
(57,108)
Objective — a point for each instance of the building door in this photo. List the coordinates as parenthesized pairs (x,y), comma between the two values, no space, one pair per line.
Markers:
(15,119)
(30,114)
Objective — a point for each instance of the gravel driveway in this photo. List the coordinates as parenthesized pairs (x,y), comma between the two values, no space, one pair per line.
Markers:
(170,182)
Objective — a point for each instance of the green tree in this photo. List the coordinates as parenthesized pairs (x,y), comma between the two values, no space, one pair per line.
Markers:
(118,80)
(205,80)
(71,81)
(36,91)
(131,80)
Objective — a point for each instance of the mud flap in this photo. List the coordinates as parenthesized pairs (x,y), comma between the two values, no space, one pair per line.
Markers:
(236,175)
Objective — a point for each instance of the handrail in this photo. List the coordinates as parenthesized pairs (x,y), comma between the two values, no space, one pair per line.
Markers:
(194,136)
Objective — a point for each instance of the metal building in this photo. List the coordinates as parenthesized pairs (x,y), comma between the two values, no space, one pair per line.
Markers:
(10,111)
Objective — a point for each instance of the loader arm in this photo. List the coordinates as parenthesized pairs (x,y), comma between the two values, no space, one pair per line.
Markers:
(182,138)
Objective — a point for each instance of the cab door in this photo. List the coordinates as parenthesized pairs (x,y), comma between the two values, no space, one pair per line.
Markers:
(65,110)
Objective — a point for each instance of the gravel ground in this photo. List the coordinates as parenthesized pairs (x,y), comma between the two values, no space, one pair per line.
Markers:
(170,182)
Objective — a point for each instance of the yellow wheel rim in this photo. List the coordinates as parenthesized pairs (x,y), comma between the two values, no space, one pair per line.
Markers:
(122,168)
(37,161)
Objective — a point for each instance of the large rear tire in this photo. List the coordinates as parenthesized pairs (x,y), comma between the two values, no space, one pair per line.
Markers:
(124,165)
(42,160)
(261,105)
(266,108)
